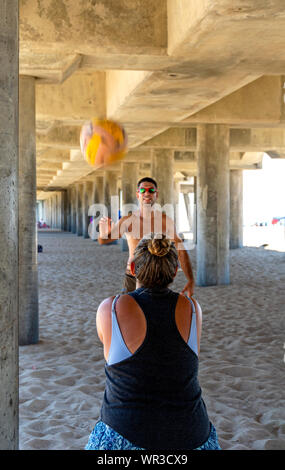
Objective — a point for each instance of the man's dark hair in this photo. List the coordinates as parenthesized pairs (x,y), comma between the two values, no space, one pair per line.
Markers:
(148,180)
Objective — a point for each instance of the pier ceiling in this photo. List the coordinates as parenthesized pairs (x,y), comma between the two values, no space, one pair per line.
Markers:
(153,66)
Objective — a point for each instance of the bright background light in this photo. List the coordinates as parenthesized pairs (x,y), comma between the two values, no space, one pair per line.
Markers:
(264,192)
(263,200)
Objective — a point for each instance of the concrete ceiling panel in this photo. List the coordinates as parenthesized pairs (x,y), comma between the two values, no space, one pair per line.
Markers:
(154,66)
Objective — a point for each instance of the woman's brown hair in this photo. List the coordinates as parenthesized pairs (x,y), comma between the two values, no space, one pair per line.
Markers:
(155,260)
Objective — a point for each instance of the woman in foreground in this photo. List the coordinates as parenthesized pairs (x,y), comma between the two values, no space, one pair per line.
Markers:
(151,339)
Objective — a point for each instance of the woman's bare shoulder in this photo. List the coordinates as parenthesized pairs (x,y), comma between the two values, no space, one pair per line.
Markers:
(106,303)
(184,302)
(126,301)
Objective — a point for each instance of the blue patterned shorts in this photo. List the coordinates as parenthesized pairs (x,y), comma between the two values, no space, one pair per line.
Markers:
(105,438)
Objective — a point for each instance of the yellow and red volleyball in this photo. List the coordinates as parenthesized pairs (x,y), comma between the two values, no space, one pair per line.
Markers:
(103,142)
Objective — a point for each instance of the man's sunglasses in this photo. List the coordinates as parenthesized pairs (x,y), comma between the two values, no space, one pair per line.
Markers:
(145,190)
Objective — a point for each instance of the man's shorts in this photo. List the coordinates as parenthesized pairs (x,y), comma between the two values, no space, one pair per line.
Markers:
(129,283)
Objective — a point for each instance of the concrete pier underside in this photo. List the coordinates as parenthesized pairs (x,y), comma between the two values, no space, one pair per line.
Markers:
(199,89)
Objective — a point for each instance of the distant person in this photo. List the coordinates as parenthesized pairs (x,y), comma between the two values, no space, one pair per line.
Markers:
(151,339)
(138,224)
(42,224)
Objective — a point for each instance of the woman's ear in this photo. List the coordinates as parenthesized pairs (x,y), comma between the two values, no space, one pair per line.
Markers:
(175,271)
(133,268)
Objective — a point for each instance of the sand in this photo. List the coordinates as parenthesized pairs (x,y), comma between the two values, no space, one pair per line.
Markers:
(241,359)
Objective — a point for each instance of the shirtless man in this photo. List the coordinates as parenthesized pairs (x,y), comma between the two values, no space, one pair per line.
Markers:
(140,223)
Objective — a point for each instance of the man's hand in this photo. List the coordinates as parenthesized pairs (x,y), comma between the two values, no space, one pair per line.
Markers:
(188,289)
(105,227)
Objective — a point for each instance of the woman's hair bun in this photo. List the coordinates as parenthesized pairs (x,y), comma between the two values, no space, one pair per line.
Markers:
(159,246)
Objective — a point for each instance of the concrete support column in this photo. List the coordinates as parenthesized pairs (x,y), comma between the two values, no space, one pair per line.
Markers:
(130,172)
(98,190)
(176,202)
(43,210)
(68,196)
(129,179)
(86,202)
(109,188)
(58,210)
(64,211)
(213,205)
(236,209)
(190,204)
(37,211)
(163,172)
(73,209)
(28,270)
(55,211)
(96,197)
(79,190)
(45,215)
(9,370)
(40,214)
(49,213)
(195,212)
(188,209)
(52,211)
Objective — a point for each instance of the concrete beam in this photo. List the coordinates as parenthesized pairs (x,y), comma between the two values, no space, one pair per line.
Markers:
(187,56)
(275,154)
(42,26)
(260,103)
(257,139)
(41,172)
(74,101)
(60,138)
(49,68)
(236,27)
(174,138)
(241,140)
(50,154)
(215,38)
(250,161)
(46,165)
(222,56)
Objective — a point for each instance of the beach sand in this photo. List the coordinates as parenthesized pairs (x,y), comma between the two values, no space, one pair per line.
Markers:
(242,368)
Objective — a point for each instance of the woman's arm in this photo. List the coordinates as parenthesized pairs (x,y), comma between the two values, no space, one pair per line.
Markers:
(104,324)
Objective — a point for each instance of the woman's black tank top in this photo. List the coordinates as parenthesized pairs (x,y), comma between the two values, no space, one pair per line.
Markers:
(153,398)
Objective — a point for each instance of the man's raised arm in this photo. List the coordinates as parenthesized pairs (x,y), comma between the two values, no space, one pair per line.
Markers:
(183,257)
(109,232)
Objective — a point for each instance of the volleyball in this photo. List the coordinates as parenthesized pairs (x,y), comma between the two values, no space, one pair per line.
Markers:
(102,142)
